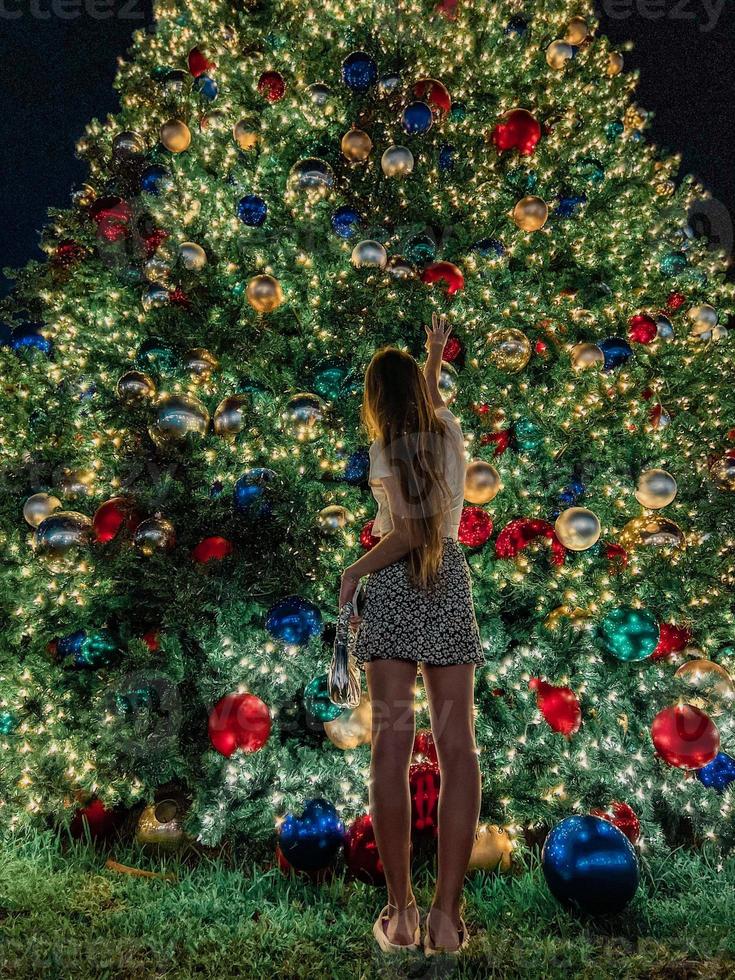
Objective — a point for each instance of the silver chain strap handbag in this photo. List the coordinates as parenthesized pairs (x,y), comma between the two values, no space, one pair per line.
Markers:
(344,674)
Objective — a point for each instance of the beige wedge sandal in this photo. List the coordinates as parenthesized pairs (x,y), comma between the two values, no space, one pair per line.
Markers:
(382,939)
(431,950)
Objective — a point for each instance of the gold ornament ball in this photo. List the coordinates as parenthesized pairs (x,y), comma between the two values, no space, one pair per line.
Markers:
(656,489)
(40,506)
(481,483)
(578,528)
(356,146)
(586,356)
(707,676)
(245,135)
(334,518)
(264,294)
(615,64)
(448,383)
(177,418)
(492,849)
(705,319)
(161,826)
(175,136)
(558,54)
(135,387)
(229,416)
(722,472)
(352,727)
(397,161)
(157,534)
(651,532)
(509,349)
(400,268)
(77,482)
(577,30)
(200,363)
(530,213)
(192,256)
(369,255)
(157,269)
(63,533)
(302,416)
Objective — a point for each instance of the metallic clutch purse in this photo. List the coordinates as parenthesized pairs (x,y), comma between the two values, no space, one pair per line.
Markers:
(344,674)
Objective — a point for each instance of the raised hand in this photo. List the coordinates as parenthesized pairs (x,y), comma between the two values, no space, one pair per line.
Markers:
(438,333)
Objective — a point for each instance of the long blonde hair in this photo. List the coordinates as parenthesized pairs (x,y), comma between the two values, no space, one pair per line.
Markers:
(397,410)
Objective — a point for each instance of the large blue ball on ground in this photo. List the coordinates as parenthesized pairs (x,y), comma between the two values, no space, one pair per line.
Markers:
(345,222)
(590,865)
(252,210)
(294,620)
(359,71)
(417,119)
(312,841)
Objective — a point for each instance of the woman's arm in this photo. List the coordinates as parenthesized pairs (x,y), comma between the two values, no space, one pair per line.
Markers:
(391,547)
(436,338)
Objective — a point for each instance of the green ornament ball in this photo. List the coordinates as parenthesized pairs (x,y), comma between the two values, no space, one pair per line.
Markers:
(458,112)
(316,700)
(590,169)
(613,131)
(8,724)
(628,634)
(157,356)
(421,250)
(97,650)
(329,379)
(673,263)
(528,435)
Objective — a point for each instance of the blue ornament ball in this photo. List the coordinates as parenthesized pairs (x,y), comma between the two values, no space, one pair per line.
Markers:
(417,119)
(719,773)
(446,157)
(358,467)
(156,180)
(312,841)
(359,71)
(28,338)
(590,865)
(294,620)
(491,248)
(71,645)
(252,210)
(345,222)
(616,350)
(570,205)
(206,87)
(250,493)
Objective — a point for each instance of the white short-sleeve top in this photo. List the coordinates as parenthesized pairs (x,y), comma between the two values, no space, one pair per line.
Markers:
(454,474)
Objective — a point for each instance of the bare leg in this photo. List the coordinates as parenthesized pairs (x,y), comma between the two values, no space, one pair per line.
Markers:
(392,686)
(450,691)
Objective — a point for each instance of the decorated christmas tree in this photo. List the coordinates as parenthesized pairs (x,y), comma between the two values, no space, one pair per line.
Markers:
(286,188)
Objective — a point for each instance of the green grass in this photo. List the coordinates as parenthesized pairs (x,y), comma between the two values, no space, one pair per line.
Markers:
(63,914)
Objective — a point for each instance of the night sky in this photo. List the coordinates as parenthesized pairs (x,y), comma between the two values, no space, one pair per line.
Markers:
(58,75)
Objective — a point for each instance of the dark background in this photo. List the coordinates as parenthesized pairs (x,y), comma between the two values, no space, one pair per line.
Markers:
(58,75)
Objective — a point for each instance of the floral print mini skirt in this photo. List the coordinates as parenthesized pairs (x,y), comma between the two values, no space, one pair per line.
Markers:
(436,627)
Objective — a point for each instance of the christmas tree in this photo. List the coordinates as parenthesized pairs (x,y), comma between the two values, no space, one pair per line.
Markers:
(286,188)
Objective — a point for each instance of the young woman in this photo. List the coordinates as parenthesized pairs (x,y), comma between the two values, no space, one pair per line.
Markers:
(418,610)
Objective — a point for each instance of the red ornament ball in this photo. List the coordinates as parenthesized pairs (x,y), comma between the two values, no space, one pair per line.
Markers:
(68,253)
(671,639)
(675,301)
(558,705)
(272,86)
(623,817)
(150,638)
(617,556)
(434,93)
(518,130)
(112,216)
(424,749)
(199,63)
(424,782)
(212,549)
(239,721)
(444,272)
(519,533)
(475,527)
(153,241)
(112,516)
(361,852)
(367,538)
(96,816)
(642,328)
(452,350)
(685,737)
